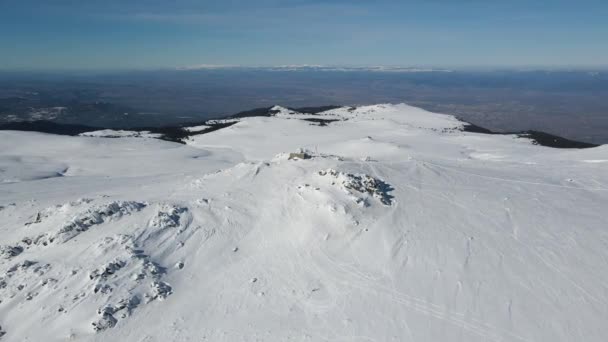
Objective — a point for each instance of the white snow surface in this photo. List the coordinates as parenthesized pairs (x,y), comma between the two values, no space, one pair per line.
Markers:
(400,227)
(111,133)
(197,128)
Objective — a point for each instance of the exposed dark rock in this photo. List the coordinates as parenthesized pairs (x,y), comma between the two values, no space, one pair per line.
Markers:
(127,305)
(9,252)
(106,321)
(21,266)
(160,290)
(102,288)
(363,184)
(37,219)
(107,270)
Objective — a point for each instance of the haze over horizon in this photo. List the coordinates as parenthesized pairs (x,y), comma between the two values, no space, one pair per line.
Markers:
(68,34)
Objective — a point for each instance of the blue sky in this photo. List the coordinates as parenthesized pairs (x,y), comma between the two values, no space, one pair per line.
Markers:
(119,34)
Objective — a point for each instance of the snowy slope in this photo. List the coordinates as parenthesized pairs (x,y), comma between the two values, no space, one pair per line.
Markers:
(400,227)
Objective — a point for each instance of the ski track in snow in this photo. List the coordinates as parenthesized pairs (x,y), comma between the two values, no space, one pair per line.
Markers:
(398,227)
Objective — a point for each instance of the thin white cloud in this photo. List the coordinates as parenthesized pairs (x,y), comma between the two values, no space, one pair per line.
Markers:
(207,67)
(188,18)
(316,67)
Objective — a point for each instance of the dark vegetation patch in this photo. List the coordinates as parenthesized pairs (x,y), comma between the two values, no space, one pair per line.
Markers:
(546,139)
(169,133)
(477,129)
(315,110)
(268,111)
(179,135)
(47,127)
(537,137)
(320,122)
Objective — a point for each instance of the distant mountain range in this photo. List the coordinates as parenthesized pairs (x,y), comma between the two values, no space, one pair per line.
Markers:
(309,67)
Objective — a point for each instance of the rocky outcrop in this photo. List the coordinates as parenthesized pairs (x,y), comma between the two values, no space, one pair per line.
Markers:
(361,183)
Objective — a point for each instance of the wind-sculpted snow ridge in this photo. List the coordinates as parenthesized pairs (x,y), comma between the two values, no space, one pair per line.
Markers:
(117,274)
(97,215)
(130,279)
(82,221)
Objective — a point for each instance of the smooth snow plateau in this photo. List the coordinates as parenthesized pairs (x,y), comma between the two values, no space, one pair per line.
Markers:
(400,227)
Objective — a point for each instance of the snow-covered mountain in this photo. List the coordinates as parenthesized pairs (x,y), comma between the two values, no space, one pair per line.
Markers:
(377,223)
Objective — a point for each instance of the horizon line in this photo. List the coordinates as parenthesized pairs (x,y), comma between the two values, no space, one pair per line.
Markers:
(316,67)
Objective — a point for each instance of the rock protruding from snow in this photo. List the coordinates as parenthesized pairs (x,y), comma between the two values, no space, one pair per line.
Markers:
(8,252)
(131,275)
(168,217)
(24,265)
(160,290)
(362,183)
(90,217)
(98,215)
(20,278)
(107,270)
(106,320)
(107,313)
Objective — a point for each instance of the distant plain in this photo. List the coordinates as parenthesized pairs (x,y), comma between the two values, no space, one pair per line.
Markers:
(569,103)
